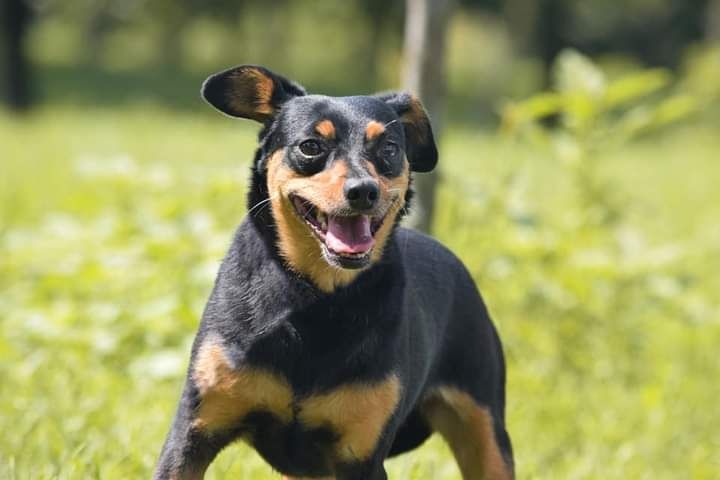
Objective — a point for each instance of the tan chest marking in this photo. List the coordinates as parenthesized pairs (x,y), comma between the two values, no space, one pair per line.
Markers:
(357,412)
(228,394)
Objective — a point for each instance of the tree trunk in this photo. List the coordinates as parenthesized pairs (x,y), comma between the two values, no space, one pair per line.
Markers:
(15,20)
(712,27)
(426,25)
(522,17)
(552,21)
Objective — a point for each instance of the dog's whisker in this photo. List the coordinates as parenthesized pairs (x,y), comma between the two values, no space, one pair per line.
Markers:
(261,204)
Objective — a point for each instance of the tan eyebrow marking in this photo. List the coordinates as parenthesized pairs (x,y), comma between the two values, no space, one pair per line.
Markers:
(326,129)
(374,129)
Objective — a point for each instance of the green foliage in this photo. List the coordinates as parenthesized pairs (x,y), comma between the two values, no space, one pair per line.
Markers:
(113,223)
(595,114)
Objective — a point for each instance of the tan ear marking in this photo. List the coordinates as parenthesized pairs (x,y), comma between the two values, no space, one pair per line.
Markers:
(326,128)
(247,82)
(416,117)
(374,129)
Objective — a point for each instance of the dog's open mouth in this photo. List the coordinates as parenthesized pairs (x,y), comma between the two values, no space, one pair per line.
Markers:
(347,240)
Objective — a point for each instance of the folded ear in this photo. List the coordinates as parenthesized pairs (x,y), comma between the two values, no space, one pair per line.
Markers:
(249,91)
(421,150)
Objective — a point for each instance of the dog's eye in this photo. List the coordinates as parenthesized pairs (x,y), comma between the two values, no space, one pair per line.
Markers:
(389,151)
(311,148)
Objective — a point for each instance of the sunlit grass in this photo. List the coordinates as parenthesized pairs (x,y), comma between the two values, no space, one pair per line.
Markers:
(113,222)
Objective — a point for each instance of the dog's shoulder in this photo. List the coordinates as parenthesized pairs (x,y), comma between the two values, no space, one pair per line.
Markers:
(251,284)
(425,254)
(434,275)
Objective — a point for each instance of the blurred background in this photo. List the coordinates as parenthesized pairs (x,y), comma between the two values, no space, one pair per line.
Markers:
(577,180)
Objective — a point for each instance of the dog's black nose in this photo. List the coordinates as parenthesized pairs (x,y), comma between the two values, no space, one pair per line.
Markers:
(361,193)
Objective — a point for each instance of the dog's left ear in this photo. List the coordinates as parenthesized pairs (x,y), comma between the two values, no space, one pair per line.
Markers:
(421,150)
(249,91)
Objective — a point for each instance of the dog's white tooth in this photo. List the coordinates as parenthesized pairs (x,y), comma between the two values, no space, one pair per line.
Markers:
(322,219)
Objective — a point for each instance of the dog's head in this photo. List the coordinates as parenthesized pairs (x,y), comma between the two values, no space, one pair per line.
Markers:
(337,169)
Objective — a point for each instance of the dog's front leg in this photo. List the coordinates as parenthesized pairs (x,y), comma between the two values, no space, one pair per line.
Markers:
(372,469)
(187,451)
(364,472)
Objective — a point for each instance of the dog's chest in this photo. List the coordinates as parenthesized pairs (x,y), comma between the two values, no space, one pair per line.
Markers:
(349,418)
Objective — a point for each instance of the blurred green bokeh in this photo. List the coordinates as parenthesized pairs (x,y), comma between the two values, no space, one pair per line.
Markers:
(589,215)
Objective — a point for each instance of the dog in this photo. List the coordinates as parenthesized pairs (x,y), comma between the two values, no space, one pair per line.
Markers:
(333,337)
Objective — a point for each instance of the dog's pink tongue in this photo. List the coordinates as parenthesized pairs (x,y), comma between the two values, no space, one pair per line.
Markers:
(349,234)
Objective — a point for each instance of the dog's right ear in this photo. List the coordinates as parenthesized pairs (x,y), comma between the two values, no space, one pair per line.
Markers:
(422,151)
(249,91)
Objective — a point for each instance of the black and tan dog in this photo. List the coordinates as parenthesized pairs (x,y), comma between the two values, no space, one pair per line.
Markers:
(334,338)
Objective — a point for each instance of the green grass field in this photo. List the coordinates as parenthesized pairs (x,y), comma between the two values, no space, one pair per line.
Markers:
(113,223)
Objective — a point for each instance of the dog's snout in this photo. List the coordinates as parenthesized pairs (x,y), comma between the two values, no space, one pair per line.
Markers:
(361,194)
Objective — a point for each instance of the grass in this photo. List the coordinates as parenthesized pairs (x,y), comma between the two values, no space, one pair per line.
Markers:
(113,222)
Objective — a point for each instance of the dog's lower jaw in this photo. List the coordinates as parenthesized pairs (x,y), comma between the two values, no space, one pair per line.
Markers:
(302,251)
(305,254)
(344,262)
